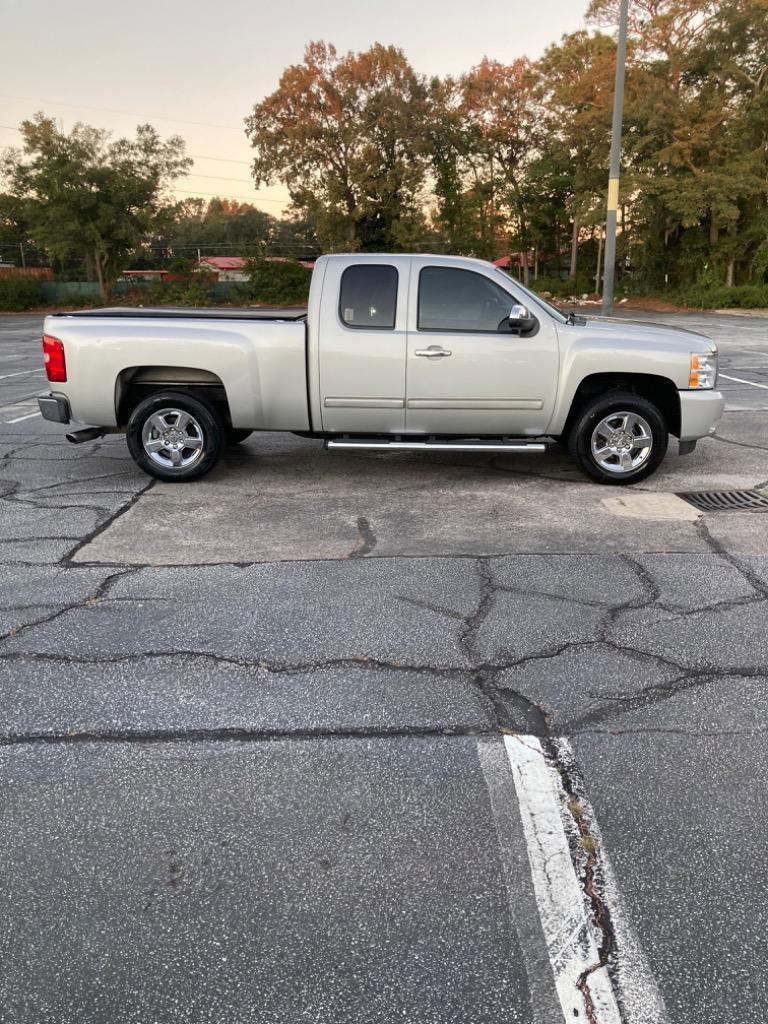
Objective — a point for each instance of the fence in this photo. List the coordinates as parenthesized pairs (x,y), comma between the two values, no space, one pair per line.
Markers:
(43,273)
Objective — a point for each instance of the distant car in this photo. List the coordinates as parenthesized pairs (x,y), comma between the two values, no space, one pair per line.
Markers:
(395,352)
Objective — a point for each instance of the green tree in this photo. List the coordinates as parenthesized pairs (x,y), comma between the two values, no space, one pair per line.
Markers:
(575,90)
(13,227)
(227,227)
(83,195)
(483,138)
(347,136)
(220,226)
(695,136)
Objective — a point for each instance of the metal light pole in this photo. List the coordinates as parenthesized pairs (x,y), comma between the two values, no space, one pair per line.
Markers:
(609,272)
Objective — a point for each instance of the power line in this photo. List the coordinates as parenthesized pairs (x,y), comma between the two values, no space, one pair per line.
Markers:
(212,177)
(195,156)
(218,195)
(218,177)
(221,159)
(128,113)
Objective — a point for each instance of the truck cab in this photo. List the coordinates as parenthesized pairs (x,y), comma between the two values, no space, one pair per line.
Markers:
(426,345)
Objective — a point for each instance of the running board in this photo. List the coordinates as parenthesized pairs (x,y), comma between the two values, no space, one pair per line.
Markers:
(439,446)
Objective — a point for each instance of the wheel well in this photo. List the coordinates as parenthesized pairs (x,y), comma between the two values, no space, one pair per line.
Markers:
(659,390)
(139,382)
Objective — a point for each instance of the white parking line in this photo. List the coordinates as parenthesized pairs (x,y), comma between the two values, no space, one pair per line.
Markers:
(567,932)
(21,373)
(571,938)
(738,380)
(28,417)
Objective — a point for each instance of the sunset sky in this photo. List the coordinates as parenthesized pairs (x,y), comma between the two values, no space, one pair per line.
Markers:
(196,69)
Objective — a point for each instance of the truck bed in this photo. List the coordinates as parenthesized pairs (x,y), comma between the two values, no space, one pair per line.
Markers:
(293,313)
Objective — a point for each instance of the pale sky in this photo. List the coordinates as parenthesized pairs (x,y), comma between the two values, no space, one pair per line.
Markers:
(196,68)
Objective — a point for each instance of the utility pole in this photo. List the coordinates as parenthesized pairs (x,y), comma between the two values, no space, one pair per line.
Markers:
(598,275)
(609,272)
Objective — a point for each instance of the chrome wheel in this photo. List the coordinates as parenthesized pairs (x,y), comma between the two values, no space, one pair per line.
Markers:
(173,438)
(622,442)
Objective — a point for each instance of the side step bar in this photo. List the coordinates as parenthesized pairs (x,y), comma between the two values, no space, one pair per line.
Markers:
(440,446)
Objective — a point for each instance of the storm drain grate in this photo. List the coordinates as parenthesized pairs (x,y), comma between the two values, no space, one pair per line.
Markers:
(726,501)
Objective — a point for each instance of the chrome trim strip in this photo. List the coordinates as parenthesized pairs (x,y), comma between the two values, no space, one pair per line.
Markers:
(364,403)
(475,403)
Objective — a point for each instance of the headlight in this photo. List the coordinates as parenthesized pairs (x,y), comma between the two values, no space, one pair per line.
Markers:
(703,372)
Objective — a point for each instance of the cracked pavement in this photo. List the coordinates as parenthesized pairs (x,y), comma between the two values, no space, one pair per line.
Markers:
(240,721)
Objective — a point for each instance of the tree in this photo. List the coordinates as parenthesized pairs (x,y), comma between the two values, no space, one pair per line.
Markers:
(483,140)
(220,226)
(347,136)
(84,195)
(696,115)
(575,90)
(228,227)
(13,227)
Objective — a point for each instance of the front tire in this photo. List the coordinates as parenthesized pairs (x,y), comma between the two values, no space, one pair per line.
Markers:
(619,438)
(175,437)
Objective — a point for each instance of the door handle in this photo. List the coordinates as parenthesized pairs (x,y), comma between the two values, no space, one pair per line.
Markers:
(433,352)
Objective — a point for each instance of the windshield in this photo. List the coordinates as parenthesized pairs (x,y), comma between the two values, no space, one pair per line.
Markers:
(536,299)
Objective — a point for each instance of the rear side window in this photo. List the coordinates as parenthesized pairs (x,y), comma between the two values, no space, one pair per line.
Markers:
(368,297)
(451,299)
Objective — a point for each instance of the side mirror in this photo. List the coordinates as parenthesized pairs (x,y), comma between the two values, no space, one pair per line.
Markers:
(521,318)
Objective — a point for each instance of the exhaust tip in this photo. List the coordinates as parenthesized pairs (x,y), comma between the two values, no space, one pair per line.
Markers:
(88,434)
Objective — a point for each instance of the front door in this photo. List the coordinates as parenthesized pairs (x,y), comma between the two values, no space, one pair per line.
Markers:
(468,373)
(362,346)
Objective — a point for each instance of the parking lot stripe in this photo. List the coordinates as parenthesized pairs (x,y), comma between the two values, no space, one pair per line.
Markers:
(29,416)
(639,995)
(20,373)
(739,380)
(570,938)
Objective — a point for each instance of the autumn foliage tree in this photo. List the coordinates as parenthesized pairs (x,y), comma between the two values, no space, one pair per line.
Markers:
(347,136)
(484,127)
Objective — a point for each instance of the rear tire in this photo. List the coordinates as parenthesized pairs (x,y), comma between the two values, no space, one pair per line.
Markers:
(175,437)
(233,436)
(619,438)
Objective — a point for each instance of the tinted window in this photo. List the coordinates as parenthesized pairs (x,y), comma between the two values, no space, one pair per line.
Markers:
(369,296)
(460,300)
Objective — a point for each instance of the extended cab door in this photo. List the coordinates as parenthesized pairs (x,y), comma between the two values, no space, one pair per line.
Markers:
(362,344)
(468,372)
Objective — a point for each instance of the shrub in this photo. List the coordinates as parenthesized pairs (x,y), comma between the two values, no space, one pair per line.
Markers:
(188,290)
(18,293)
(561,289)
(705,296)
(278,283)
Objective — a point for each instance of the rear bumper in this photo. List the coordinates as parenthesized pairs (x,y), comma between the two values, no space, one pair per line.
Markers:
(55,408)
(699,413)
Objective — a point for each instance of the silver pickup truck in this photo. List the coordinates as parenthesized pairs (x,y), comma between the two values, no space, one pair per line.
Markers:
(394,352)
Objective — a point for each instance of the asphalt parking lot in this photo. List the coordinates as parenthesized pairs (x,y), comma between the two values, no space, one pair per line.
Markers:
(321,737)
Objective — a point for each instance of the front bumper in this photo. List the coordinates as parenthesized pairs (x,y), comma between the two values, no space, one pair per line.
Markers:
(55,408)
(699,413)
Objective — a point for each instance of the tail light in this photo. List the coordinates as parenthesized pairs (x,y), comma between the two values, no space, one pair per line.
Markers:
(53,357)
